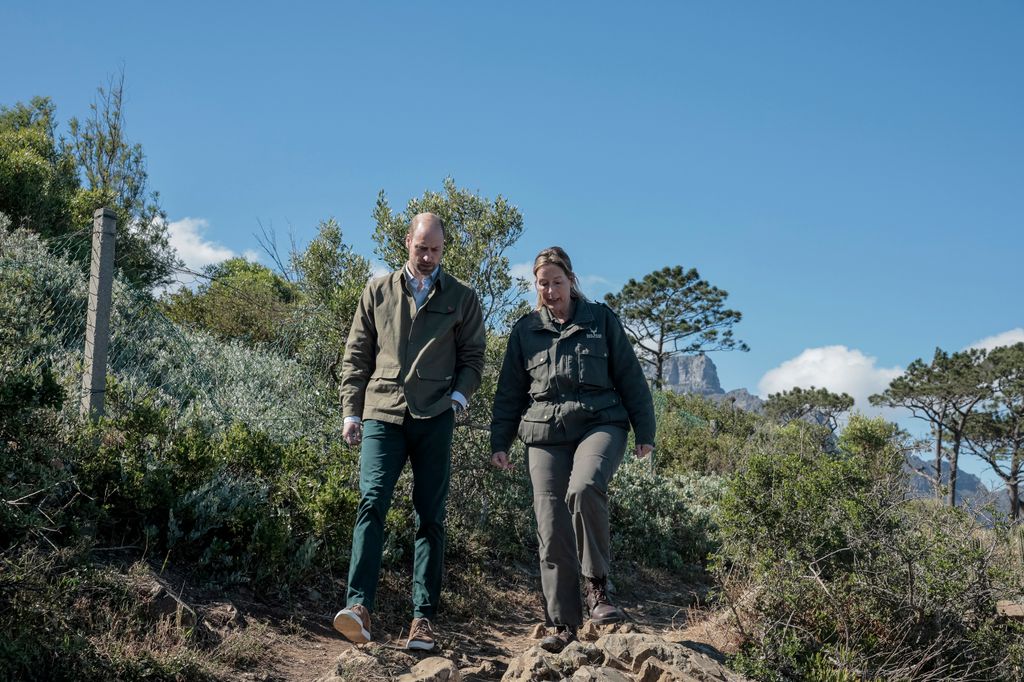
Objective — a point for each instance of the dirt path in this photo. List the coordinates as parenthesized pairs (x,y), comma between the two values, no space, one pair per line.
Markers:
(302,645)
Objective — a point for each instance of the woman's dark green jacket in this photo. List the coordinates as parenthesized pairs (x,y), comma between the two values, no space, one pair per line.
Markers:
(559,381)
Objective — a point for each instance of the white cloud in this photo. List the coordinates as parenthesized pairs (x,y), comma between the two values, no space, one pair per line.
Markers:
(524,270)
(1007,338)
(196,251)
(592,280)
(186,236)
(378,269)
(837,368)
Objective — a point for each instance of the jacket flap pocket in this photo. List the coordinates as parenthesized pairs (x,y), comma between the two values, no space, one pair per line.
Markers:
(537,360)
(593,351)
(432,375)
(439,306)
(386,372)
(539,412)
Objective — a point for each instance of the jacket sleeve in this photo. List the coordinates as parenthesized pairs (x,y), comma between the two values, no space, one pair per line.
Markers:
(470,348)
(360,356)
(629,380)
(510,396)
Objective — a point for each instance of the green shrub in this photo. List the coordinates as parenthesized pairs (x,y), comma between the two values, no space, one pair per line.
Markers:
(699,436)
(65,618)
(661,521)
(830,566)
(231,530)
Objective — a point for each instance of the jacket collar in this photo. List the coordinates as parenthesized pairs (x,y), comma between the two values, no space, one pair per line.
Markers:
(582,316)
(400,277)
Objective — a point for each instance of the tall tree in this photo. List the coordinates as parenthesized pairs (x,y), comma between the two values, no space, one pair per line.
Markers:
(115,175)
(331,277)
(478,233)
(819,403)
(944,393)
(239,300)
(38,177)
(997,434)
(673,311)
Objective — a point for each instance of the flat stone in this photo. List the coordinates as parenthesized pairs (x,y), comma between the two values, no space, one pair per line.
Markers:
(1013,610)
(433,669)
(654,670)
(589,673)
(533,665)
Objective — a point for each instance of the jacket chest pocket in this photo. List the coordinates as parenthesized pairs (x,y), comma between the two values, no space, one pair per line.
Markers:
(438,319)
(592,365)
(539,368)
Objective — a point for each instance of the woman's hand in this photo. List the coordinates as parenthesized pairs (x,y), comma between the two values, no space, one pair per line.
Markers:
(643,450)
(500,460)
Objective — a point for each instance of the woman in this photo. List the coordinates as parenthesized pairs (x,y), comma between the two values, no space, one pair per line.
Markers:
(572,387)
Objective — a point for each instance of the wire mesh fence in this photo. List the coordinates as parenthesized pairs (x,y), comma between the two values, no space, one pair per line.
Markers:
(268,385)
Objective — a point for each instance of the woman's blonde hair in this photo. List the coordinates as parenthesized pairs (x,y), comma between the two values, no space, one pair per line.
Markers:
(556,255)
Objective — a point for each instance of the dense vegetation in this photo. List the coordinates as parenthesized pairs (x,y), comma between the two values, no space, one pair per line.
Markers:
(219,458)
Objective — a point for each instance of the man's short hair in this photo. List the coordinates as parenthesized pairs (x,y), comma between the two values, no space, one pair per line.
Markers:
(423,216)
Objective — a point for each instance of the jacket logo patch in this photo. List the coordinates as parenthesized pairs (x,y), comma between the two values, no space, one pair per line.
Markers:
(594,334)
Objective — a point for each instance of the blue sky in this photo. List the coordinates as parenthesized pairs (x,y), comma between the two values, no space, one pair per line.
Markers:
(851,173)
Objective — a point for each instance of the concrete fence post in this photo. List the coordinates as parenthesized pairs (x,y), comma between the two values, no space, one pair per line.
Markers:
(97,327)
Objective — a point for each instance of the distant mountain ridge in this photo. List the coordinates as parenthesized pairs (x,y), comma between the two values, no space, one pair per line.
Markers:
(970,490)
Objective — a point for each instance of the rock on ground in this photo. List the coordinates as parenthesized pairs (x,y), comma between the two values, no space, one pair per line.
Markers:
(620,657)
(433,669)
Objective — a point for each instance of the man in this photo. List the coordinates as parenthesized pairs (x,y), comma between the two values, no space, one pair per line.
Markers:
(414,356)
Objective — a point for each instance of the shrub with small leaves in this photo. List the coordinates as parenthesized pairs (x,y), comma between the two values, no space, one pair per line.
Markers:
(662,521)
(831,566)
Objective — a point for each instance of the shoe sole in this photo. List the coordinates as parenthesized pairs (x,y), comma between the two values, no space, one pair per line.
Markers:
(420,646)
(351,627)
(608,620)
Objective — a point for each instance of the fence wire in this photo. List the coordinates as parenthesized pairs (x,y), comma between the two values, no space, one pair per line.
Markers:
(265,386)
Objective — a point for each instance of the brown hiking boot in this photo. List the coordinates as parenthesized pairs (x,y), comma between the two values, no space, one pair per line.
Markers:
(421,635)
(353,622)
(601,609)
(564,635)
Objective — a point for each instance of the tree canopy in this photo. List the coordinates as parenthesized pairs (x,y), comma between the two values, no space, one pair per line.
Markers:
(673,311)
(943,392)
(996,434)
(820,404)
(239,300)
(52,185)
(38,178)
(478,232)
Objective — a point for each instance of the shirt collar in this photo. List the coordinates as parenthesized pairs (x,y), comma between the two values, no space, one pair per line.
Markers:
(411,277)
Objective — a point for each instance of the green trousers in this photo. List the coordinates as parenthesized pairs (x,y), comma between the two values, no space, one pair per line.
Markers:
(427,445)
(570,500)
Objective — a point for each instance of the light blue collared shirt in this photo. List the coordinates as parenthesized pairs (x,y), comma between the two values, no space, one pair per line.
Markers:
(420,293)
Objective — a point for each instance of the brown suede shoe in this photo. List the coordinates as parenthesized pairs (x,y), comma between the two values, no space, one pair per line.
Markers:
(601,609)
(353,622)
(421,635)
(564,635)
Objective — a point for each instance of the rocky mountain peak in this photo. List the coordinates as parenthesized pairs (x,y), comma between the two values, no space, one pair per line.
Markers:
(697,374)
(692,374)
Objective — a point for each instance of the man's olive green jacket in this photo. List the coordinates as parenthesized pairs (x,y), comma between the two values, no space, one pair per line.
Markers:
(398,358)
(558,383)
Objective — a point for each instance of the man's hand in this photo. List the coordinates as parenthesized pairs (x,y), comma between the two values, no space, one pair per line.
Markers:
(352,433)
(643,450)
(500,460)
